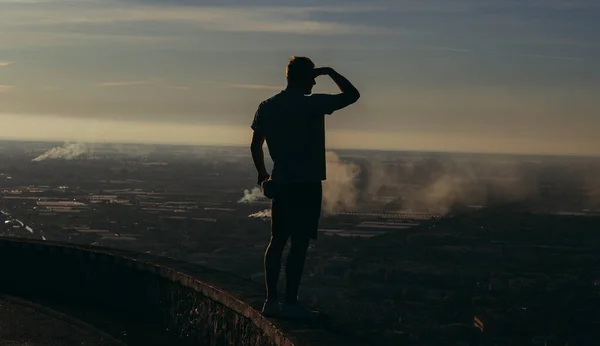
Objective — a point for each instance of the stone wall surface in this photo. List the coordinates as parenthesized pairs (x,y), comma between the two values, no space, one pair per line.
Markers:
(144,299)
(26,324)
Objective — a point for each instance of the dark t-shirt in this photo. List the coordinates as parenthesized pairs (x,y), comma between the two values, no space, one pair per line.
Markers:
(293,125)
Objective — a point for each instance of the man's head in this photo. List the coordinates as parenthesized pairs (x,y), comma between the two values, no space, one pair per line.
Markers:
(300,74)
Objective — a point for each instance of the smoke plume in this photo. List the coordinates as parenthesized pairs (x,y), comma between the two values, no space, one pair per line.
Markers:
(437,185)
(251,195)
(264,214)
(68,151)
(339,190)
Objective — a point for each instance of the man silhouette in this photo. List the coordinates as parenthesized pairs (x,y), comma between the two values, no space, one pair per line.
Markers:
(293,125)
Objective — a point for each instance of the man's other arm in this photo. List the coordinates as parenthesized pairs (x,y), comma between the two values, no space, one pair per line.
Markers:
(258,156)
(349,94)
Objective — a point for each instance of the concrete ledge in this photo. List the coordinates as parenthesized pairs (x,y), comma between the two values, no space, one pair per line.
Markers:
(26,323)
(125,294)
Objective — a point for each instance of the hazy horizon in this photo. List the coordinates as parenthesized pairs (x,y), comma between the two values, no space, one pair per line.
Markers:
(463,76)
(89,147)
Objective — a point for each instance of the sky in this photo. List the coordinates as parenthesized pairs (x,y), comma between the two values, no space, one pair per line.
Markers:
(513,76)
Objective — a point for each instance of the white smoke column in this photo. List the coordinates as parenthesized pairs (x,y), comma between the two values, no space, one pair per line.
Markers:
(339,190)
(251,195)
(437,185)
(439,196)
(264,214)
(68,151)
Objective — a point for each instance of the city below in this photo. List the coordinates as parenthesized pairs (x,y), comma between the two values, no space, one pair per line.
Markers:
(411,238)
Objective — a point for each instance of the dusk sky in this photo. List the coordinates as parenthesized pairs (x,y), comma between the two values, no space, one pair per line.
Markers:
(453,75)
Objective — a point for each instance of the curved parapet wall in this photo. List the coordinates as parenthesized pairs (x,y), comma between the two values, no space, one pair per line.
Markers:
(145,299)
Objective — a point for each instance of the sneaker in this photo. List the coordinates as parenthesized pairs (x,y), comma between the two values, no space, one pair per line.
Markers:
(271,308)
(299,311)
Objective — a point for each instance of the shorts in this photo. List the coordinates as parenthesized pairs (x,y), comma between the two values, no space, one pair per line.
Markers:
(296,210)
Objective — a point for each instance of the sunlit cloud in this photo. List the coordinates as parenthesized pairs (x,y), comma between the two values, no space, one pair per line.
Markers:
(52,39)
(53,88)
(532,56)
(121,84)
(245,86)
(177,87)
(253,86)
(22,2)
(164,84)
(52,25)
(551,57)
(275,19)
(154,83)
(450,49)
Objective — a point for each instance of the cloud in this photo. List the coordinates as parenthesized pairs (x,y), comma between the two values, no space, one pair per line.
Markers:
(552,57)
(253,86)
(448,49)
(53,87)
(5,63)
(155,83)
(177,87)
(164,84)
(119,84)
(244,86)
(47,38)
(276,19)
(22,2)
(405,6)
(534,56)
(5,88)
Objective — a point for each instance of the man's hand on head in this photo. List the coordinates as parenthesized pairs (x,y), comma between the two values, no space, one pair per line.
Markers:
(323,71)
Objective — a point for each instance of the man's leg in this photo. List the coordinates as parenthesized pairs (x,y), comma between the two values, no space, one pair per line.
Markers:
(295,267)
(307,210)
(273,256)
(293,272)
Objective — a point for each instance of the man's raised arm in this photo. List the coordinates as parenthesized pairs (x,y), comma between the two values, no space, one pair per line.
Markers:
(332,103)
(348,90)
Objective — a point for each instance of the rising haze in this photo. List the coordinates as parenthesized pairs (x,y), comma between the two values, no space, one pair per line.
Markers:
(497,76)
